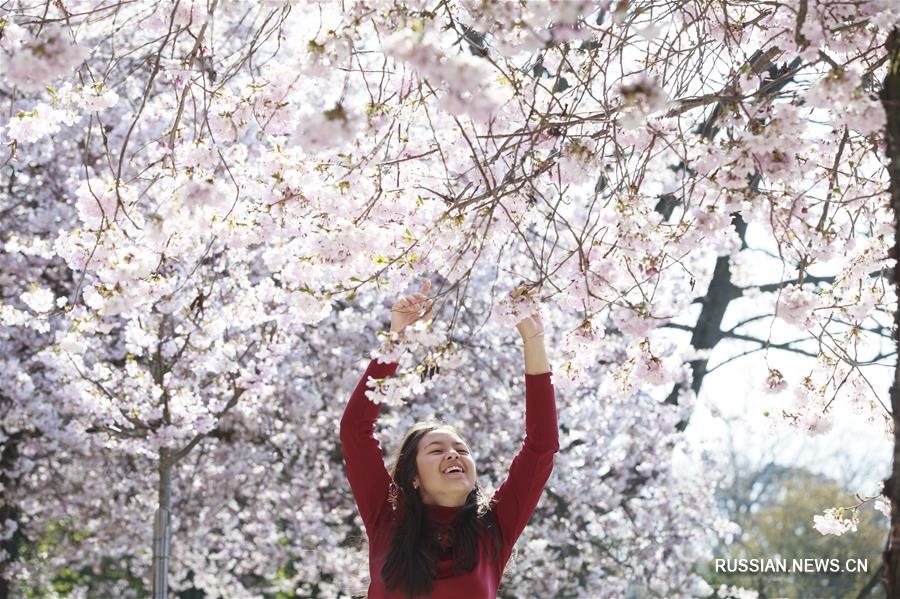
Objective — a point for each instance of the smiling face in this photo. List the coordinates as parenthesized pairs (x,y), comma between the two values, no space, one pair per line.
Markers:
(445,468)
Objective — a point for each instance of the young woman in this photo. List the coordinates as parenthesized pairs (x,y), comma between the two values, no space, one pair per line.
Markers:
(432,532)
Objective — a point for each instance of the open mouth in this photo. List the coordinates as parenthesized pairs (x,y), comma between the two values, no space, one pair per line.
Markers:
(454,471)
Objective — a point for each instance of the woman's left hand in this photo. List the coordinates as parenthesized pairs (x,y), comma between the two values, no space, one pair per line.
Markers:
(531,326)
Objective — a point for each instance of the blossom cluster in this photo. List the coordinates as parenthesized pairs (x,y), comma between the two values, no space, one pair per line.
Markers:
(210,204)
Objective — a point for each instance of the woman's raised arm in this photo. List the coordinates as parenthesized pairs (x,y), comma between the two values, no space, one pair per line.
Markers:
(515,500)
(363,459)
(532,331)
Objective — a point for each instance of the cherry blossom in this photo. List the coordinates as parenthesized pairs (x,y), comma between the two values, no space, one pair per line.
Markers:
(207,207)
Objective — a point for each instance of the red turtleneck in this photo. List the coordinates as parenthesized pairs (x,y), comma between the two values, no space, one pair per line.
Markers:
(514,501)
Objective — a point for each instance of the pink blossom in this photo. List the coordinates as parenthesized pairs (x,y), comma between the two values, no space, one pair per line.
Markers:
(834,523)
(327,129)
(39,300)
(883,505)
(796,306)
(640,97)
(36,62)
(815,423)
(775,382)
(97,98)
(96,200)
(464,78)
(40,122)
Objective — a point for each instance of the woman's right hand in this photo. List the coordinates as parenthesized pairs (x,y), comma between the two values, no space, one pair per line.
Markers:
(408,309)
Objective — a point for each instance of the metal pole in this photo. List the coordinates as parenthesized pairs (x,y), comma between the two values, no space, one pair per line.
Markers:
(161,529)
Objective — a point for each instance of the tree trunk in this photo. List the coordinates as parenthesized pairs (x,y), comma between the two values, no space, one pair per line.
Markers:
(161,528)
(8,458)
(890,98)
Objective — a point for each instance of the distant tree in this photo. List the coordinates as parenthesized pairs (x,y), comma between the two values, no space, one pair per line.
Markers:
(774,506)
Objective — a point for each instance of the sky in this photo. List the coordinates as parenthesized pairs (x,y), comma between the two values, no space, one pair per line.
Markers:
(732,403)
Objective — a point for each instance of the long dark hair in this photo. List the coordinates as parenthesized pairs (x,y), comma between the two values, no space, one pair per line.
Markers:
(410,563)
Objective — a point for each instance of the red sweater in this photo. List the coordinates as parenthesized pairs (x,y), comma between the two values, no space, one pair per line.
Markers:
(513,502)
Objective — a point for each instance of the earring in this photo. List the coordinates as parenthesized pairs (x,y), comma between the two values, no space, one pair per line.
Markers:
(415,485)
